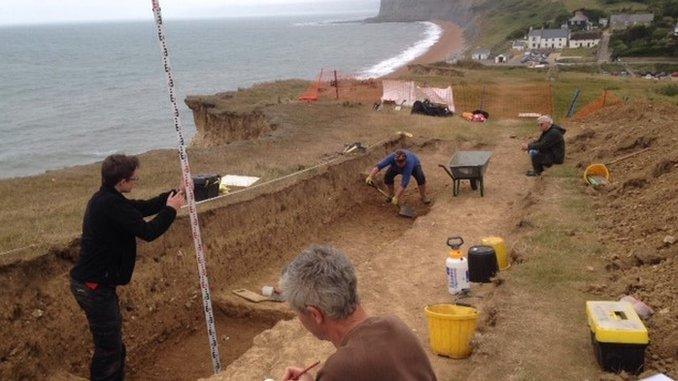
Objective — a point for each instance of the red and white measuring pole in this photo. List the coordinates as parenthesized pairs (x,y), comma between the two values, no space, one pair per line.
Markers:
(188,184)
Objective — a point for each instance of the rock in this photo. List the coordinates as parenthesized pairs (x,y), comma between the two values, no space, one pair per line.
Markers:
(647,256)
(669,240)
(37,313)
(590,268)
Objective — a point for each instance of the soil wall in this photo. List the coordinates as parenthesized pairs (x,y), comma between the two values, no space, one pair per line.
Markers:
(218,127)
(43,329)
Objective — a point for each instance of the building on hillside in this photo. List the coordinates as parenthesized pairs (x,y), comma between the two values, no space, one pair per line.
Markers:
(584,39)
(602,22)
(625,20)
(548,38)
(579,21)
(675,30)
(481,54)
(501,58)
(519,45)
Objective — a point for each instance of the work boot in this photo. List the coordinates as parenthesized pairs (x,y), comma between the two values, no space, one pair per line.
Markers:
(426,200)
(532,173)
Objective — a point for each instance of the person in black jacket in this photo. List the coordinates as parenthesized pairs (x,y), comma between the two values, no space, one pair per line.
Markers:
(110,227)
(549,149)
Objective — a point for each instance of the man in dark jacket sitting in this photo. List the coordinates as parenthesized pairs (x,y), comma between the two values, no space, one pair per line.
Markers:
(549,149)
(108,252)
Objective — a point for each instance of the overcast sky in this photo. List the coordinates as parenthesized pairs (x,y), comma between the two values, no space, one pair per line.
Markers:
(56,11)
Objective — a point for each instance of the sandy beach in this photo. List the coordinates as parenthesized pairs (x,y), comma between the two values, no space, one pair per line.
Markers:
(452,41)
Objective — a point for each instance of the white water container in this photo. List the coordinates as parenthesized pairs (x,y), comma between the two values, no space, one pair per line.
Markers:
(457,275)
(456,267)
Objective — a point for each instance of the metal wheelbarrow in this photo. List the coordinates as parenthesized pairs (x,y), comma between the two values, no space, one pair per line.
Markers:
(468,165)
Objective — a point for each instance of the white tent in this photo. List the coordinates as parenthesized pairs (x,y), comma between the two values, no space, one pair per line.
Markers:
(437,95)
(406,93)
(400,92)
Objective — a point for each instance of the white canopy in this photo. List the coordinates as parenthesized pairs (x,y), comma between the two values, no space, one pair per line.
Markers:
(406,93)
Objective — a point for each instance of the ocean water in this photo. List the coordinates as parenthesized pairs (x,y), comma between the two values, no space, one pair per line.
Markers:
(73,94)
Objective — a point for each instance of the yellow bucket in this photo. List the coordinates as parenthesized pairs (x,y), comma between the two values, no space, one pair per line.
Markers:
(596,170)
(451,329)
(500,249)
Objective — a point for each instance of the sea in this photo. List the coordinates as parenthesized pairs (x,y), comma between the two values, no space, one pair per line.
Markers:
(75,93)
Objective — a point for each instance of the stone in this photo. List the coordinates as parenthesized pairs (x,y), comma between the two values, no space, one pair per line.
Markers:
(37,313)
(647,256)
(669,240)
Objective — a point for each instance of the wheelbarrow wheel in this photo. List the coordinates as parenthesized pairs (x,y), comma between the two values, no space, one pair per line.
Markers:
(474,184)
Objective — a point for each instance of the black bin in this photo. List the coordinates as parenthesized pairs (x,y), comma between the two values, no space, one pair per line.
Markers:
(206,186)
(482,264)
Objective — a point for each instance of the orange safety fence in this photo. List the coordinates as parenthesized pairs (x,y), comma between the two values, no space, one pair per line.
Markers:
(606,99)
(506,101)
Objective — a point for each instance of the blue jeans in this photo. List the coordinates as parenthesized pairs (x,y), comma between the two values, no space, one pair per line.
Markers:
(105,323)
(539,160)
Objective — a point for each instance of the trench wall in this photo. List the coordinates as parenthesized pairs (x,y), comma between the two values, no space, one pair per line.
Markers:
(241,232)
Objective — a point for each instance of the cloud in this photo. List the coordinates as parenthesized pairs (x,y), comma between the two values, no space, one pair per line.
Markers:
(41,11)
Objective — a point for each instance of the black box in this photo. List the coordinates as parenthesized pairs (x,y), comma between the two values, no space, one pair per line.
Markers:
(206,186)
(615,358)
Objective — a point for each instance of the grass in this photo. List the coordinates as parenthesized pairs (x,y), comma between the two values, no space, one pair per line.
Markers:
(50,213)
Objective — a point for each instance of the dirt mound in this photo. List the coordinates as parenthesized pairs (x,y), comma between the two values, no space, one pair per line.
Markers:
(638,212)
(216,127)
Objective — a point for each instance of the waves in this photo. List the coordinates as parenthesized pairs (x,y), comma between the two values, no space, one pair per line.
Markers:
(431,36)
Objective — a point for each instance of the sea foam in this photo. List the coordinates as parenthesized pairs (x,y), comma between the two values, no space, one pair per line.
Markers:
(431,36)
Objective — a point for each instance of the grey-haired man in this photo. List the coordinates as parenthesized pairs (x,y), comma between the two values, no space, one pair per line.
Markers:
(320,285)
(549,149)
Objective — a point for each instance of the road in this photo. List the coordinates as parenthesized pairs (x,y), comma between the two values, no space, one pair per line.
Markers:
(604,48)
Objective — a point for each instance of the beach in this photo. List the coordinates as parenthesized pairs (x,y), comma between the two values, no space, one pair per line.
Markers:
(451,42)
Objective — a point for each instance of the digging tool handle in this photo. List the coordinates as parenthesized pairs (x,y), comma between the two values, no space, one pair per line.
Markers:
(455,242)
(627,156)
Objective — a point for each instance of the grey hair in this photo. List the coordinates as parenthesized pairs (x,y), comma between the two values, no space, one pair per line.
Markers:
(323,277)
(545,119)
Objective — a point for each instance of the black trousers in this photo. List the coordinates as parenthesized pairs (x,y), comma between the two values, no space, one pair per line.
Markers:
(539,161)
(105,323)
(417,173)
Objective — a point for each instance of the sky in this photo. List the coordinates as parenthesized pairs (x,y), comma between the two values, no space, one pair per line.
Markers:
(13,12)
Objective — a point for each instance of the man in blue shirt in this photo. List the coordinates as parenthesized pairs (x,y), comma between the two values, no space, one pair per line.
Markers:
(405,163)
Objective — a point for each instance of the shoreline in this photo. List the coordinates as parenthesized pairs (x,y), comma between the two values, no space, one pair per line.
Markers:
(452,41)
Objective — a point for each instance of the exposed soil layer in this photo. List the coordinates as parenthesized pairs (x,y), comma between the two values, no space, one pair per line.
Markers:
(638,213)
(243,233)
(218,127)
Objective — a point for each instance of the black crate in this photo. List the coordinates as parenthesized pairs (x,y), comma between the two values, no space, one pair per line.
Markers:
(615,358)
(206,186)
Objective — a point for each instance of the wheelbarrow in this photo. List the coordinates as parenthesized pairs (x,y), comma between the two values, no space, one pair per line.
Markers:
(468,165)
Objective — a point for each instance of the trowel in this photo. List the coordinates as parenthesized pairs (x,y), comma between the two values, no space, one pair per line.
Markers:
(403,210)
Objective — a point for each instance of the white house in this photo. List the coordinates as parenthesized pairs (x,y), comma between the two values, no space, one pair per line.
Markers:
(481,54)
(519,45)
(586,39)
(625,20)
(603,22)
(548,38)
(501,58)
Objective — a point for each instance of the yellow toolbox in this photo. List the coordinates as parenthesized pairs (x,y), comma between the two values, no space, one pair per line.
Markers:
(618,335)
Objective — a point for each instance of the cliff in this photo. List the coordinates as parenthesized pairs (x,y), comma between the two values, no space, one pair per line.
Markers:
(458,11)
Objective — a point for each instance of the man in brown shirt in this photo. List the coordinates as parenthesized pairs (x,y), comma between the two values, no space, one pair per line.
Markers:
(321,287)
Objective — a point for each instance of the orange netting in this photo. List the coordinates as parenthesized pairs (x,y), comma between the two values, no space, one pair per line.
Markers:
(500,101)
(606,99)
(332,84)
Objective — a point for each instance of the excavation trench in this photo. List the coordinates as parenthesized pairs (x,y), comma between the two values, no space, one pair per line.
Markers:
(248,237)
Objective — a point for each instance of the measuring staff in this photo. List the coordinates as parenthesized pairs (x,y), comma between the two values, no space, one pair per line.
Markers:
(108,252)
